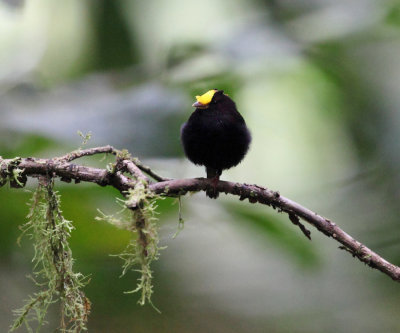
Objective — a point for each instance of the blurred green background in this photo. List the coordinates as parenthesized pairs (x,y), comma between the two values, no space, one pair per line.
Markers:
(318,82)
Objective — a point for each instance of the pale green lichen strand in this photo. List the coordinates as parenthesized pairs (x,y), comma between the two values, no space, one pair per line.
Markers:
(143,247)
(53,263)
(181,221)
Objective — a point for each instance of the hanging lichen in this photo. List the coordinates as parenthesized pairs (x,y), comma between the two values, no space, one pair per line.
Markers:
(143,247)
(53,263)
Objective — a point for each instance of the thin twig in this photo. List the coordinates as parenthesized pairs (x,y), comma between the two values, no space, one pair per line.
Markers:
(87,152)
(150,172)
(109,150)
(296,221)
(134,170)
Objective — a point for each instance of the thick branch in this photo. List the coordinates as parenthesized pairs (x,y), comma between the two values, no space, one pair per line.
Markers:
(67,171)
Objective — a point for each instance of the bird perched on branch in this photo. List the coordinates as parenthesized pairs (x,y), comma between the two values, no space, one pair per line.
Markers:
(215,135)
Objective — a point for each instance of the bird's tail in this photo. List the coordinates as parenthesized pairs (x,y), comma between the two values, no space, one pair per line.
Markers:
(213,174)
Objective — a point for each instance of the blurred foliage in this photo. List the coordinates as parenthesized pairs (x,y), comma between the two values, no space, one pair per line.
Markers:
(28,145)
(114,46)
(393,14)
(317,82)
(275,229)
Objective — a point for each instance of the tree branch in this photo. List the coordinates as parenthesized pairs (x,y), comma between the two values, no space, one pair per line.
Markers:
(66,171)
(135,171)
(87,152)
(148,171)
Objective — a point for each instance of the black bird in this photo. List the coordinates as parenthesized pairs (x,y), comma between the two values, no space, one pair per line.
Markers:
(215,135)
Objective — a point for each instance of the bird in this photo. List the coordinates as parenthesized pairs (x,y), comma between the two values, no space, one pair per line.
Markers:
(215,136)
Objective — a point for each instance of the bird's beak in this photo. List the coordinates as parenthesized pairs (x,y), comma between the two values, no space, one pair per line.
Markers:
(199,105)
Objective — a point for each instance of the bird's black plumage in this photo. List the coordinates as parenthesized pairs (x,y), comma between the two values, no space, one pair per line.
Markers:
(215,136)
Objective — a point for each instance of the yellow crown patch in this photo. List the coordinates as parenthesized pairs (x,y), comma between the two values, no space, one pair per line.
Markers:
(207,97)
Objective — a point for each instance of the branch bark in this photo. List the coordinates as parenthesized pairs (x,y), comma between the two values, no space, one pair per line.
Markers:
(63,168)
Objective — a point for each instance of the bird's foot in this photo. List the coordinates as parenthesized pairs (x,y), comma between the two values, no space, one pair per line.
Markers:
(212,191)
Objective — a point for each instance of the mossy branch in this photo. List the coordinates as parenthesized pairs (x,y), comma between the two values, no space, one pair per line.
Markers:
(133,180)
